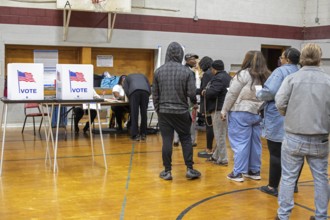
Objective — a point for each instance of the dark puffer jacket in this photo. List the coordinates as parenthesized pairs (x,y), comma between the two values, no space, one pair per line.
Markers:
(217,90)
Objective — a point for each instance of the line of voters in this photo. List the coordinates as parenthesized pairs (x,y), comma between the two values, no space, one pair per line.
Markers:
(289,107)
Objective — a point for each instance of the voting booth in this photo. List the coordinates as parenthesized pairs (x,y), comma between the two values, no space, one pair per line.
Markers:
(74,81)
(25,81)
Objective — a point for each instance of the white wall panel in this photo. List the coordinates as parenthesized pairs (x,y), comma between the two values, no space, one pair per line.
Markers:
(281,12)
(317,9)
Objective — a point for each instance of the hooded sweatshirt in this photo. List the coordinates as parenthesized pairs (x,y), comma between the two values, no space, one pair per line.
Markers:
(173,83)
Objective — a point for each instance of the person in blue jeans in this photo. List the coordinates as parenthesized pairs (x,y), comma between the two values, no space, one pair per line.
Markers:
(304,100)
(273,122)
(241,106)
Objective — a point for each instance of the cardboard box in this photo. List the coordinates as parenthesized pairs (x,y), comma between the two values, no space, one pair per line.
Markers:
(74,81)
(25,81)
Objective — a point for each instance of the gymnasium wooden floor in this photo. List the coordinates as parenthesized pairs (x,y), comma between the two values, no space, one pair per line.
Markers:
(130,188)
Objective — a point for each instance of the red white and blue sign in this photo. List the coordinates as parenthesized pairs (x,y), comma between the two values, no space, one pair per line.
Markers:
(25,81)
(74,81)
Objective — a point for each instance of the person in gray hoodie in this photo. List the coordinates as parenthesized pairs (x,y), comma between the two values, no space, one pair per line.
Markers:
(172,86)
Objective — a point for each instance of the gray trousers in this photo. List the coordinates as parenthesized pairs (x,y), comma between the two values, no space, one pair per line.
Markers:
(220,133)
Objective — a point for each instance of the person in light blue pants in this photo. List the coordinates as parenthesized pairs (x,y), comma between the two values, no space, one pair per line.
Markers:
(244,133)
(242,107)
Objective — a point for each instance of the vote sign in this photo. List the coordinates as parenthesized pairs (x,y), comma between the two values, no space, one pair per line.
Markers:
(25,81)
(74,81)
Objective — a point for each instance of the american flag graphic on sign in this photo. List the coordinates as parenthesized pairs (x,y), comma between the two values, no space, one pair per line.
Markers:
(77,76)
(25,76)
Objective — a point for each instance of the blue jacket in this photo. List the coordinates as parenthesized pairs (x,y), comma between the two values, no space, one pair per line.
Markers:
(273,123)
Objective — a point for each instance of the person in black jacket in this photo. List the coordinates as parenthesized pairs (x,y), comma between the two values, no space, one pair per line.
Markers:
(215,93)
(205,65)
(137,89)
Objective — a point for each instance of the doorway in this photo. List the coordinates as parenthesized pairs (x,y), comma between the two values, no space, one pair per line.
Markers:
(272,54)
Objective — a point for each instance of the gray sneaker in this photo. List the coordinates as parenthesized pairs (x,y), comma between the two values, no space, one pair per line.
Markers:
(192,174)
(238,177)
(253,175)
(166,175)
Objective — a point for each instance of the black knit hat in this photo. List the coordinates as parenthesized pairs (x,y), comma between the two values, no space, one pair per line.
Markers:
(218,65)
(205,63)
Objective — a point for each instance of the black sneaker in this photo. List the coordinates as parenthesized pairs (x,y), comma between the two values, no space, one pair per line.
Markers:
(194,144)
(253,175)
(86,128)
(143,137)
(192,174)
(136,138)
(166,175)
(296,189)
(221,163)
(269,190)
(176,144)
(238,177)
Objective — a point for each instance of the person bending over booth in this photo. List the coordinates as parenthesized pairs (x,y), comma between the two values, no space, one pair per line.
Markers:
(137,88)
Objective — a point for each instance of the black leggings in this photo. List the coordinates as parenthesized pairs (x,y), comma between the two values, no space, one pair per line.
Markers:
(275,163)
(209,133)
(119,111)
(79,113)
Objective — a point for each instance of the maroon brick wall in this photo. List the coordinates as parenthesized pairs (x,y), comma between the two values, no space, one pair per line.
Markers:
(48,17)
